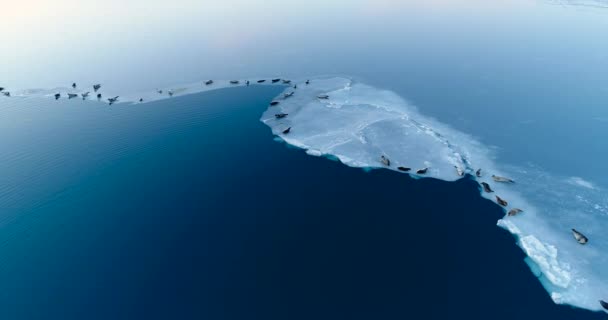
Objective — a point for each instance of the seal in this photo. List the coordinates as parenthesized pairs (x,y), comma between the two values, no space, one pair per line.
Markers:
(501,201)
(579,237)
(486,187)
(604,304)
(286,131)
(72,95)
(112,100)
(385,161)
(323,96)
(422,171)
(208,82)
(404,169)
(459,171)
(280,115)
(274,103)
(57,96)
(478,173)
(502,179)
(514,212)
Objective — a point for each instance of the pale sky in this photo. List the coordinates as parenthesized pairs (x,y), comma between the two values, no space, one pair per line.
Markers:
(50,43)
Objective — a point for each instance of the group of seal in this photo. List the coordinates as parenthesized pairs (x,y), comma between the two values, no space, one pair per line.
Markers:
(111,101)
(85,95)
(285,96)
(387,162)
(502,202)
(578,236)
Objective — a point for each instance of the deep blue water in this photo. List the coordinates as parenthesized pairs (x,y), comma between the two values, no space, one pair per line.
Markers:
(188,209)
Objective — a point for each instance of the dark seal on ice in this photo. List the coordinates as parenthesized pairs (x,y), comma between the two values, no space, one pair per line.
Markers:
(404,169)
(274,103)
(501,201)
(579,237)
(280,115)
(486,187)
(111,101)
(385,161)
(286,131)
(514,212)
(604,304)
(502,179)
(478,173)
(422,171)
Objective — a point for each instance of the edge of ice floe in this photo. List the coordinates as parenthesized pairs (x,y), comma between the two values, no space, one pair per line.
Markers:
(543,258)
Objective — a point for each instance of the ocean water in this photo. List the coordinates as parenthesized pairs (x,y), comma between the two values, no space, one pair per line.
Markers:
(188,208)
(519,84)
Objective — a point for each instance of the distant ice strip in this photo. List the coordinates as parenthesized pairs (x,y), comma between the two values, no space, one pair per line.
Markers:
(358,124)
(582,3)
(147,95)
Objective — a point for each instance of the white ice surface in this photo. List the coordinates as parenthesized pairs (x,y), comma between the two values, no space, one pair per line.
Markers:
(359,123)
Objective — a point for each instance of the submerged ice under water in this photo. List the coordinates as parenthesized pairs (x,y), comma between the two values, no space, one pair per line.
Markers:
(358,124)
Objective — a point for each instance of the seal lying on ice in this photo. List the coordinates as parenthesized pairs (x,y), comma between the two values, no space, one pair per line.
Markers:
(385,161)
(502,179)
(579,237)
(486,187)
(501,201)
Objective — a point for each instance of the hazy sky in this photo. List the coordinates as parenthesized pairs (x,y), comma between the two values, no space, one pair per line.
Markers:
(137,44)
(49,43)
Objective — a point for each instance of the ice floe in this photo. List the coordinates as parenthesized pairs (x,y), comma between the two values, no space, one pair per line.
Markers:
(360,124)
